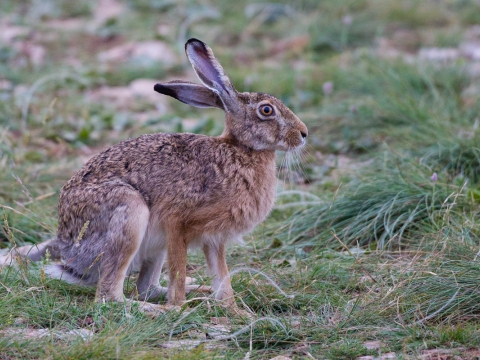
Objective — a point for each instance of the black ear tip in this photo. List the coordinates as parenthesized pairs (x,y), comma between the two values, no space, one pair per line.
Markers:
(194,41)
(165,90)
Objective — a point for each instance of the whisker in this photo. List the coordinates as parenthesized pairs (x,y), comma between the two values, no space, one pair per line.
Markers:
(286,170)
(303,159)
(307,156)
(292,165)
(289,167)
(284,166)
(282,173)
(304,153)
(297,163)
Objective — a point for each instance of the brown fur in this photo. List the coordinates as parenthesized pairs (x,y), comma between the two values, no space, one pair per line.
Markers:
(153,197)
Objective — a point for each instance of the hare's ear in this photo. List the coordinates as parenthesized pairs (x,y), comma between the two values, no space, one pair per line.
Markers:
(211,73)
(190,93)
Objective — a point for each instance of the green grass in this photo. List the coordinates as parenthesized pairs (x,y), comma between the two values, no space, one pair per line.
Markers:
(362,248)
(386,208)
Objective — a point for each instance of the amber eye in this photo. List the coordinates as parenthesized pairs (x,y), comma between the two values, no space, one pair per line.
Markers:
(266,110)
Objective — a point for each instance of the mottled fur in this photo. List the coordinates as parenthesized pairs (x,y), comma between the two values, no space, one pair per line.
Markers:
(148,199)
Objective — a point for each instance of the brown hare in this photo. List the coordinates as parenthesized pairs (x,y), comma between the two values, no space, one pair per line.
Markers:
(148,199)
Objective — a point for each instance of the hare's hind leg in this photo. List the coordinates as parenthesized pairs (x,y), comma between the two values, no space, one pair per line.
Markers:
(217,267)
(126,230)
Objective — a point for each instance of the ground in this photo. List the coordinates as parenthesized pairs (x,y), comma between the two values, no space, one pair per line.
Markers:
(372,250)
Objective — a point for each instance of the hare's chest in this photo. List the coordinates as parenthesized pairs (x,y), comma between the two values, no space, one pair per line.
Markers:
(248,205)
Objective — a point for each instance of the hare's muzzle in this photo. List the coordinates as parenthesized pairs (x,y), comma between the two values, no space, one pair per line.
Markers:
(302,128)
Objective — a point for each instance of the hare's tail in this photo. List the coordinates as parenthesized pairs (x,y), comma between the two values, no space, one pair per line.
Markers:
(33,252)
(36,253)
(63,272)
(39,251)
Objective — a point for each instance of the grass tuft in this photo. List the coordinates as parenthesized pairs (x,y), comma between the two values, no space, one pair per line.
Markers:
(382,212)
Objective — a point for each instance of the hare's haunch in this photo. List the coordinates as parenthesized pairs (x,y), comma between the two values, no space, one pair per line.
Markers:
(146,200)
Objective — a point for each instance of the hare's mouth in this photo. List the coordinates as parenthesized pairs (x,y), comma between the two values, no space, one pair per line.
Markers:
(291,148)
(298,144)
(298,147)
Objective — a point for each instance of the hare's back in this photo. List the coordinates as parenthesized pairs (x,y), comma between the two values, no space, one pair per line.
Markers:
(172,167)
(136,159)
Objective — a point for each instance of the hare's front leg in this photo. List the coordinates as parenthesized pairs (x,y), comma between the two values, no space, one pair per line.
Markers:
(217,267)
(177,264)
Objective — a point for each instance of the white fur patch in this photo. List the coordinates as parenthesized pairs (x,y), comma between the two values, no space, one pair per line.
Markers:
(57,271)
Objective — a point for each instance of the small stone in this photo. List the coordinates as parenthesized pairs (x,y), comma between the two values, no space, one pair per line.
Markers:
(372,344)
(390,355)
(20,321)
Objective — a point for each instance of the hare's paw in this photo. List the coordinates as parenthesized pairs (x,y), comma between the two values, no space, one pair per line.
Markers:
(152,293)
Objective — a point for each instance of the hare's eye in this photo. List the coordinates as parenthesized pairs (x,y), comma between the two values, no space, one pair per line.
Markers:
(266,110)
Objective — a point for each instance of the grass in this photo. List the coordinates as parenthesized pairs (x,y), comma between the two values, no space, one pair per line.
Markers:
(364,253)
(384,209)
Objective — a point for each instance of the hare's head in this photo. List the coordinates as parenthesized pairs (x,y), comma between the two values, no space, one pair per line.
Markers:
(255,120)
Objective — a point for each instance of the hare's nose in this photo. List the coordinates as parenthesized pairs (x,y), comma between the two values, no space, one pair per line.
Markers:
(304,134)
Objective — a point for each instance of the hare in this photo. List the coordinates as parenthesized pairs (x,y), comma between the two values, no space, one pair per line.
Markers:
(149,199)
